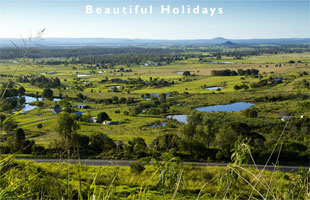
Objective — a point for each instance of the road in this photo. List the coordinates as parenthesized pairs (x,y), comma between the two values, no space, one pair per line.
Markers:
(41,120)
(101,162)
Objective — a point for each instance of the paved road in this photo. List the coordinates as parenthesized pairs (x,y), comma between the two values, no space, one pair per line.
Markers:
(100,162)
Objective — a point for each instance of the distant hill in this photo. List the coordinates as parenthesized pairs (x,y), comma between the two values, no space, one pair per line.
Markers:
(219,40)
(229,44)
(63,42)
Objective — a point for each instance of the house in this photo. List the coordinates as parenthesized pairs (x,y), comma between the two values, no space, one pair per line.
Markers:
(92,120)
(110,123)
(82,106)
(277,80)
(56,109)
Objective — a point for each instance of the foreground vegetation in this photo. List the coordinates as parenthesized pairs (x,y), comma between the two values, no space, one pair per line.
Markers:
(161,180)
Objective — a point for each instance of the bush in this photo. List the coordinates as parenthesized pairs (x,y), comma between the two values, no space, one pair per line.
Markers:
(103,116)
(136,167)
(47,93)
(186,73)
(252,113)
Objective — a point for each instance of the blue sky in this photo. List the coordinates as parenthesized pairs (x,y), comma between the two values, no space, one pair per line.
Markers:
(240,19)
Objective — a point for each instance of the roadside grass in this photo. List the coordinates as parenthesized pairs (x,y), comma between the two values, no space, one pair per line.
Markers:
(59,180)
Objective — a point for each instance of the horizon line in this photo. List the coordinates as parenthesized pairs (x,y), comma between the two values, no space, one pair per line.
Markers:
(254,38)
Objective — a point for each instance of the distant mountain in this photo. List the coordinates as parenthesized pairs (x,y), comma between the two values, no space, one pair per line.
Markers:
(219,40)
(72,42)
(229,44)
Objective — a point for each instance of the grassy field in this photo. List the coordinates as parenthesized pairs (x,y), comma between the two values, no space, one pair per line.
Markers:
(134,126)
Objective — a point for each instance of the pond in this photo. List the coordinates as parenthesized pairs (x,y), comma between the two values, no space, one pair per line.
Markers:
(158,125)
(213,88)
(235,107)
(179,118)
(82,75)
(29,99)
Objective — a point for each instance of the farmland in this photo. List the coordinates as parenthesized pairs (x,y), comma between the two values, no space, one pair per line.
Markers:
(122,105)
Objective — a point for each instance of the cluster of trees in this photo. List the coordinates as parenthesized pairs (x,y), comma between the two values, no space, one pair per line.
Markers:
(9,89)
(243,86)
(139,82)
(259,84)
(75,53)
(12,96)
(157,105)
(128,59)
(41,81)
(116,100)
(248,72)
(240,72)
(225,72)
(204,137)
(44,82)
(17,142)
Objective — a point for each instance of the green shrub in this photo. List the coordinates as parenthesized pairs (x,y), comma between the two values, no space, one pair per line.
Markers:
(136,167)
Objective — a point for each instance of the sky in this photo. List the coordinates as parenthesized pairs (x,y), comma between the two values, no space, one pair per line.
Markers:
(241,19)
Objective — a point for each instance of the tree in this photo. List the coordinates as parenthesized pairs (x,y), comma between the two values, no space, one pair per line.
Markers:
(245,87)
(39,126)
(166,142)
(66,105)
(67,128)
(99,142)
(163,98)
(103,116)
(237,87)
(186,73)
(252,113)
(47,93)
(80,96)
(9,125)
(20,134)
(21,91)
(135,110)
(19,139)
(138,147)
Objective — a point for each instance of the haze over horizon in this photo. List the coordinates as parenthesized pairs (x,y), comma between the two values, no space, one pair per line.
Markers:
(159,39)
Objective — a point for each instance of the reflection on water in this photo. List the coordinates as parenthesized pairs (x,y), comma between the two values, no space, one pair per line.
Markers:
(213,88)
(179,118)
(29,99)
(235,107)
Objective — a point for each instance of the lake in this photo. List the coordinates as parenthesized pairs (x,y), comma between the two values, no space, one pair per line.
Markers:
(29,99)
(235,107)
